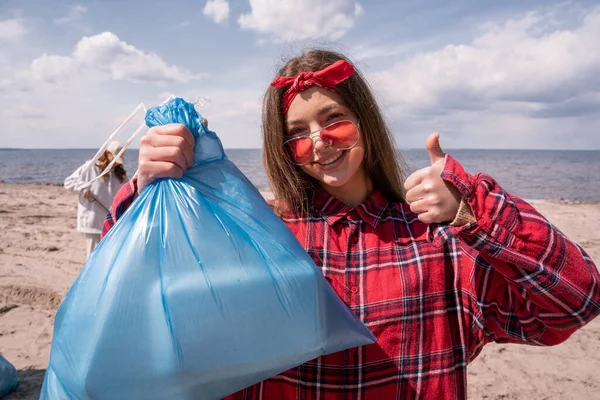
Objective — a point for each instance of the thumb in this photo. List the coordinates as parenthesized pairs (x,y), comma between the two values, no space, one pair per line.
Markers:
(433,148)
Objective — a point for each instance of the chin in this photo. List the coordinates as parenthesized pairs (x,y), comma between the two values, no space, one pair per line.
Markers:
(344,179)
(334,181)
(333,178)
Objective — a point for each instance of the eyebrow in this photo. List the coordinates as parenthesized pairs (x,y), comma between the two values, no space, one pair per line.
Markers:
(323,110)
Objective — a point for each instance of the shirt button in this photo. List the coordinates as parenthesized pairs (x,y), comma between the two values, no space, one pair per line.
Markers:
(354,289)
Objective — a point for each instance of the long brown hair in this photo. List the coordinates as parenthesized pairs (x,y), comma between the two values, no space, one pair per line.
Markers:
(292,187)
(117,169)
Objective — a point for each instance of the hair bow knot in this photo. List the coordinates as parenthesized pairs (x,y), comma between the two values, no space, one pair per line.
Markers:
(327,78)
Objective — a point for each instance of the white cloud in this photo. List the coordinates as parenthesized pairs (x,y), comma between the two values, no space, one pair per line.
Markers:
(217,10)
(527,64)
(74,15)
(12,29)
(290,20)
(52,68)
(106,52)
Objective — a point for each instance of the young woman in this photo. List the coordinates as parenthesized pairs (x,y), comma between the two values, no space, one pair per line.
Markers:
(436,268)
(95,200)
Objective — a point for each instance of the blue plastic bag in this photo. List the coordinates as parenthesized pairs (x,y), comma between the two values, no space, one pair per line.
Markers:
(9,377)
(198,291)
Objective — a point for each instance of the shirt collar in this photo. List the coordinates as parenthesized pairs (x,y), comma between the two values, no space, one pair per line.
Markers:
(333,210)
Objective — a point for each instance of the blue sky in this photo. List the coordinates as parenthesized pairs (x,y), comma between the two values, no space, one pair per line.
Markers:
(508,74)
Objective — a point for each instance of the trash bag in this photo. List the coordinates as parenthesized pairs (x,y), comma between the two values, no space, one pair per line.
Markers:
(9,378)
(198,291)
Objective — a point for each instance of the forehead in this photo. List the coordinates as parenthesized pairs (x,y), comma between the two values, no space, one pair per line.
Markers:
(307,104)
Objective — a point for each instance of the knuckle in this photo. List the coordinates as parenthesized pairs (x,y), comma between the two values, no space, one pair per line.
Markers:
(154,131)
(143,166)
(180,142)
(145,140)
(433,199)
(172,168)
(175,171)
(175,153)
(179,129)
(169,129)
(428,186)
(144,155)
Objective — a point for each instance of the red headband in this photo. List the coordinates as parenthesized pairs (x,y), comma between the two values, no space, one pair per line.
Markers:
(327,78)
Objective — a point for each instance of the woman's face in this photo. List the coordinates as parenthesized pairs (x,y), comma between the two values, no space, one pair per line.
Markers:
(310,111)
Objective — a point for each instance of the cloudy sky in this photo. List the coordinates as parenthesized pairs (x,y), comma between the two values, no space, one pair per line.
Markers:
(502,74)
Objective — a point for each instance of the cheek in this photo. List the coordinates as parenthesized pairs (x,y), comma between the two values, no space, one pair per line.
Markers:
(356,157)
(357,153)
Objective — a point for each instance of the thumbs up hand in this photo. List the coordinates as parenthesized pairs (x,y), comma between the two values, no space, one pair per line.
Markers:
(430,197)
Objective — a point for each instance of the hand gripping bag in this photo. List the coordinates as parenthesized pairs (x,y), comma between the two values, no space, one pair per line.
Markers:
(198,291)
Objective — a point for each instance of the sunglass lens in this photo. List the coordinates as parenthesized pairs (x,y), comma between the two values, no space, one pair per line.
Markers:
(342,135)
(300,149)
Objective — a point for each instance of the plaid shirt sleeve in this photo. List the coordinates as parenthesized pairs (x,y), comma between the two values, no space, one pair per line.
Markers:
(121,202)
(530,284)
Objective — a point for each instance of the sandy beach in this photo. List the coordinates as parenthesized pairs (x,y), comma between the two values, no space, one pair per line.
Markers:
(41,254)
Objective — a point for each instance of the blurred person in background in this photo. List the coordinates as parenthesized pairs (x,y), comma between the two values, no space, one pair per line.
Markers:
(95,200)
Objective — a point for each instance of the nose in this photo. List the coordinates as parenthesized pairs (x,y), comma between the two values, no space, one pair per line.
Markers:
(319,144)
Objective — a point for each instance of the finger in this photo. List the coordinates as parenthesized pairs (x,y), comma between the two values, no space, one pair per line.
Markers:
(205,122)
(433,148)
(162,169)
(419,207)
(415,194)
(167,154)
(414,179)
(159,141)
(173,130)
(427,217)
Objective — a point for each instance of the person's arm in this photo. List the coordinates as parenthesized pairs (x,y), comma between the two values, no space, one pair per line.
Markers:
(524,280)
(123,199)
(73,181)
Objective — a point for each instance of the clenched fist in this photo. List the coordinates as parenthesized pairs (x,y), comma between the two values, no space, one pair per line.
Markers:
(165,152)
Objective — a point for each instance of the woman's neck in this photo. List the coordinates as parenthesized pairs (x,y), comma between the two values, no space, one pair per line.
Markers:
(354,192)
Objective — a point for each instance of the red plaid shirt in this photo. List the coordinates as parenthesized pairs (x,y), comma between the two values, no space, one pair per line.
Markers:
(432,295)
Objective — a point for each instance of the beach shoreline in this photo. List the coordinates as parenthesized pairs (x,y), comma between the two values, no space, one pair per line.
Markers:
(41,254)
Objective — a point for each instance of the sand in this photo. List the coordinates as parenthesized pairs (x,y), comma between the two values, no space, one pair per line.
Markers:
(41,254)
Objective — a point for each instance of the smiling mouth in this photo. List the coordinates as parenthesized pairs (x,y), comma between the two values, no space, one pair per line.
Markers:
(331,159)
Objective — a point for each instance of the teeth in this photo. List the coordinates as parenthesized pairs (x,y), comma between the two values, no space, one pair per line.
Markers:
(331,159)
